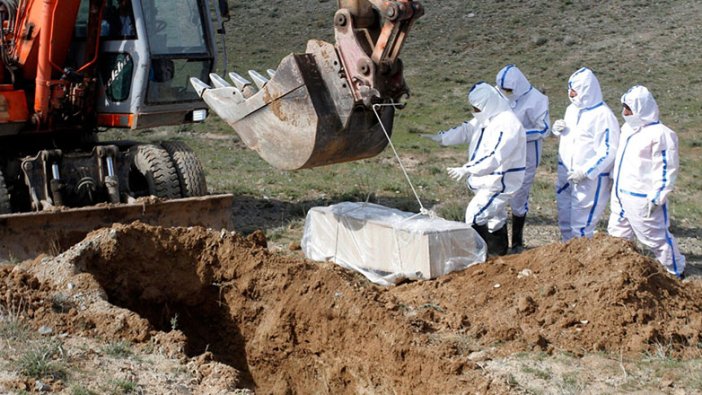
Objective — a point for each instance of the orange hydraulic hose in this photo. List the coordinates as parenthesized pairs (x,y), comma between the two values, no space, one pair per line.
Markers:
(21,14)
(51,38)
(43,79)
(97,43)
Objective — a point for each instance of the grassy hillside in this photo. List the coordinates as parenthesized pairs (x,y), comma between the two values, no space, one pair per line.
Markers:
(454,45)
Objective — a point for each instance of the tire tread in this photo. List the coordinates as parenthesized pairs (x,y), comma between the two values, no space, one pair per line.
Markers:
(5,206)
(155,164)
(191,174)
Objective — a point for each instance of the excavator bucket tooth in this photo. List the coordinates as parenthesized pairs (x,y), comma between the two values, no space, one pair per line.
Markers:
(218,81)
(239,81)
(258,79)
(228,94)
(199,86)
(244,85)
(305,115)
(271,73)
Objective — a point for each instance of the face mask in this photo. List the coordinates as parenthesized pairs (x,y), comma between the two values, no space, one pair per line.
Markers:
(576,101)
(507,95)
(633,120)
(510,97)
(480,117)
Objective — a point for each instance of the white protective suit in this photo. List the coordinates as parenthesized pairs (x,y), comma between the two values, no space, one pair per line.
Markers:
(496,156)
(531,107)
(644,172)
(588,145)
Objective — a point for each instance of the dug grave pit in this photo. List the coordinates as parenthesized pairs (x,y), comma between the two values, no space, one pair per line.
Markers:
(284,323)
(290,325)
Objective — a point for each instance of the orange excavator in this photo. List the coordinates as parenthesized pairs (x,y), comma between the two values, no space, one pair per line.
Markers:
(72,68)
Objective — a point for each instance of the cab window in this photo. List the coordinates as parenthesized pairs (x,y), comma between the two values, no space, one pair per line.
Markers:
(175,27)
(116,71)
(118,21)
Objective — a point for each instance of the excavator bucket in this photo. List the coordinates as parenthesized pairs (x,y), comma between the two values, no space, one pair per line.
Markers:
(334,103)
(27,235)
(303,117)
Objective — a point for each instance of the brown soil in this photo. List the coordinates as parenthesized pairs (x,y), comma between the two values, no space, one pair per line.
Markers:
(583,296)
(253,319)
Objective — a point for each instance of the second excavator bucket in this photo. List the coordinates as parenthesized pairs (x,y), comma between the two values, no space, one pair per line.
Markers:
(320,107)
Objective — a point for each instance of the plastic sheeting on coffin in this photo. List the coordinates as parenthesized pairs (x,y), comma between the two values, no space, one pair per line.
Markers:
(388,245)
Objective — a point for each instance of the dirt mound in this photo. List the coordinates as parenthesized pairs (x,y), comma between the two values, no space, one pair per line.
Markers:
(286,325)
(586,295)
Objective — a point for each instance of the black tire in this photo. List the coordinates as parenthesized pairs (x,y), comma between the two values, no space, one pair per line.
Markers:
(152,165)
(5,207)
(188,167)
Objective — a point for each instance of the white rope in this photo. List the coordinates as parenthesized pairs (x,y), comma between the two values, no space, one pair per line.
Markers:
(422,209)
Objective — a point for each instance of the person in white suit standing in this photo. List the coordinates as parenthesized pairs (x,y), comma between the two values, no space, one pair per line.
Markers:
(531,107)
(496,163)
(589,136)
(645,171)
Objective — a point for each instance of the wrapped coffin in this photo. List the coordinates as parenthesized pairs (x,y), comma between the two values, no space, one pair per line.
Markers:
(387,245)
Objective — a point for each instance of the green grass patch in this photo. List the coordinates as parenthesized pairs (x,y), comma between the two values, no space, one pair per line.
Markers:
(543,374)
(122,387)
(80,390)
(571,383)
(12,328)
(119,349)
(42,360)
(452,211)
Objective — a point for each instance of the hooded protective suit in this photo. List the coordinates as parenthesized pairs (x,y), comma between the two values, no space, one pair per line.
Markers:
(587,148)
(644,174)
(496,156)
(531,107)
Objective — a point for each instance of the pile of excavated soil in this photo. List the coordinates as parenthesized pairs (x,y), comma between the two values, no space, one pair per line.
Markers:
(582,296)
(288,325)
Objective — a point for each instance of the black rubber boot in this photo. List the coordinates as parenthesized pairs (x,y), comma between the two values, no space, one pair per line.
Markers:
(497,242)
(482,231)
(517,234)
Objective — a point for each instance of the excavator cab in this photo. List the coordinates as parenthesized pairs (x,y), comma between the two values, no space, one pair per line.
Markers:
(71,67)
(335,102)
(149,51)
